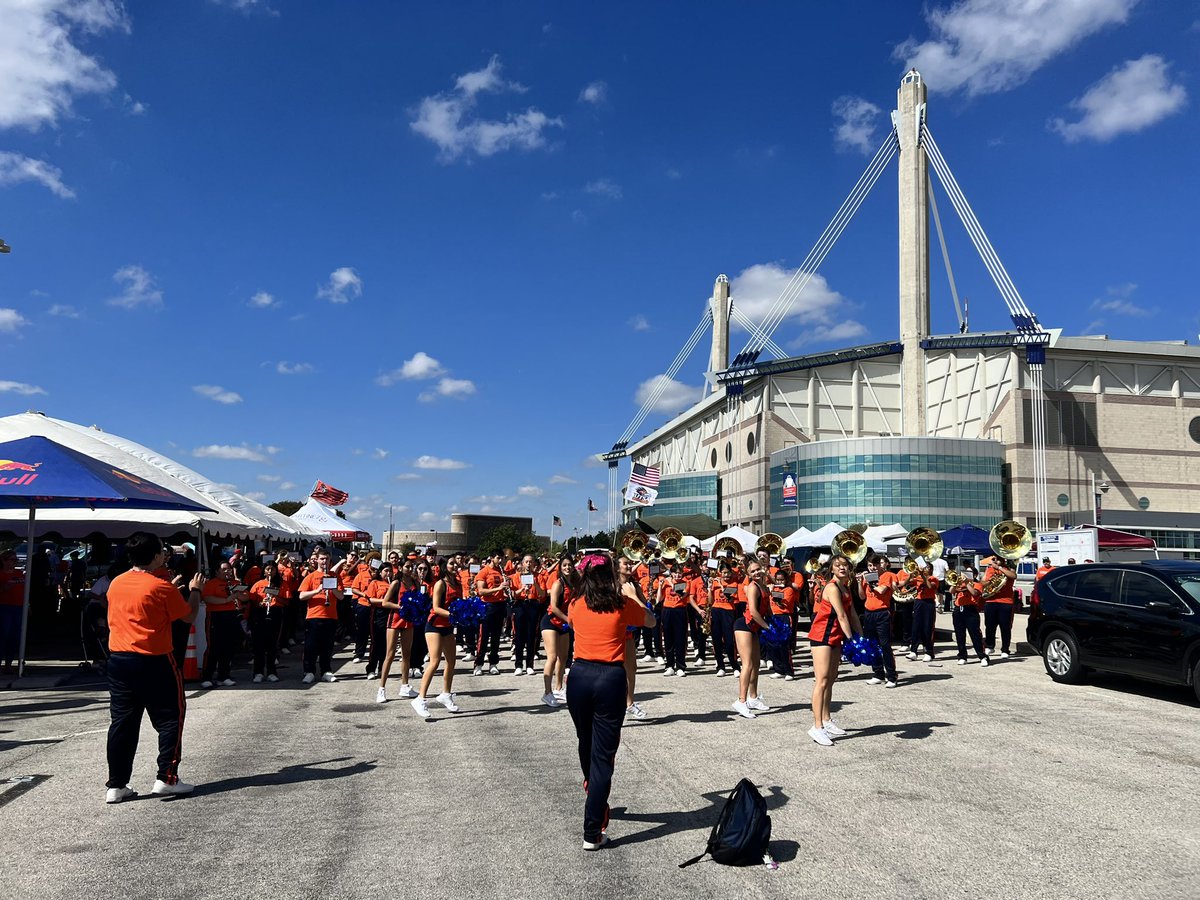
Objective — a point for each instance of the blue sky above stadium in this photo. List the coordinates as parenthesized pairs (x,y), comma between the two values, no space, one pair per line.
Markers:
(436,254)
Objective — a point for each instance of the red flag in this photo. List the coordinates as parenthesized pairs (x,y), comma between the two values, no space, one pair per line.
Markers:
(330,496)
(592,506)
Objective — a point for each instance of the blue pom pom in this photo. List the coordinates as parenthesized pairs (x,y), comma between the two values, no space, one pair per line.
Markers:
(467,612)
(414,607)
(778,632)
(861,651)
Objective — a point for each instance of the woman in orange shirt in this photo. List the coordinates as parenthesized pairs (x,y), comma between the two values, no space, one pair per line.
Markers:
(222,625)
(264,618)
(374,590)
(834,620)
(439,635)
(631,587)
(555,638)
(596,690)
(783,604)
(724,593)
(673,601)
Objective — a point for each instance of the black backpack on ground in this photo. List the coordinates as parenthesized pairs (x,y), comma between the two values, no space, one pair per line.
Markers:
(742,832)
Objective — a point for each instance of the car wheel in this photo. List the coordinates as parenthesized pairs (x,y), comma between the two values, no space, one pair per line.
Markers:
(1061,656)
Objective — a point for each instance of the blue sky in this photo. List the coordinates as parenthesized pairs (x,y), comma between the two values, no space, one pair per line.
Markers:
(430,253)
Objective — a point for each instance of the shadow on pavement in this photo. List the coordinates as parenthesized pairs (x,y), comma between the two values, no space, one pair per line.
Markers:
(909,731)
(668,823)
(287,775)
(931,676)
(1127,684)
(49,707)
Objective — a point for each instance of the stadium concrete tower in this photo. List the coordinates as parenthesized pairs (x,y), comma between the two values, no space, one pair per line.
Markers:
(926,429)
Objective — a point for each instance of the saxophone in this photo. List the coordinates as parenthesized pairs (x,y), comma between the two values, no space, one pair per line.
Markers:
(706,621)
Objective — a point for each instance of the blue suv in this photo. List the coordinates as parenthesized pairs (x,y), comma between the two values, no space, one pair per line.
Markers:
(1140,619)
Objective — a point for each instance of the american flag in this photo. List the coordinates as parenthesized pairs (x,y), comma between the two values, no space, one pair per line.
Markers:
(646,476)
(557,522)
(330,496)
(592,506)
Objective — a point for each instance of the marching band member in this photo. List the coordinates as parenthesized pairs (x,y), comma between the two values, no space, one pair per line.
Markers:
(265,617)
(673,600)
(597,687)
(563,591)
(924,610)
(968,598)
(783,603)
(652,638)
(439,634)
(631,588)
(746,630)
(697,601)
(527,597)
(492,587)
(322,620)
(723,595)
(376,589)
(399,630)
(222,622)
(834,619)
(998,608)
(796,580)
(356,590)
(877,617)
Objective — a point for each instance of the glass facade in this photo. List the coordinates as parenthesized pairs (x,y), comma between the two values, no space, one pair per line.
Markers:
(938,482)
(683,495)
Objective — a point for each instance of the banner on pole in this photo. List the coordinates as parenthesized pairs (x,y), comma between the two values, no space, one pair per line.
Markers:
(789,489)
(640,495)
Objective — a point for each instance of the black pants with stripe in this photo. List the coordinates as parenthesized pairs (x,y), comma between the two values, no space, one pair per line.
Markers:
(596,700)
(140,683)
(489,634)
(998,615)
(924,616)
(526,617)
(674,627)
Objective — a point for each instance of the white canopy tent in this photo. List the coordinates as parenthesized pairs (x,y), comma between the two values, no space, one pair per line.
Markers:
(746,538)
(796,538)
(822,537)
(879,536)
(316,516)
(234,516)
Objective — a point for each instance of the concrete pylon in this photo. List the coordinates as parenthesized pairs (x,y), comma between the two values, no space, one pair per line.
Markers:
(914,247)
(718,358)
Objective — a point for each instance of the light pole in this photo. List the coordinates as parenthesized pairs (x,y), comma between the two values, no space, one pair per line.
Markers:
(1098,491)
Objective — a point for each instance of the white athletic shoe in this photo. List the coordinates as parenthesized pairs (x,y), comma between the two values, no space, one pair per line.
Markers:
(668,673)
(372,676)
(1003,655)
(596,845)
(636,711)
(962,662)
(560,696)
(421,709)
(477,671)
(257,679)
(777,675)
(889,684)
(228,682)
(407,692)
(912,654)
(926,658)
(874,681)
(531,671)
(984,662)
(381,696)
(758,704)
(833,729)
(329,677)
(819,735)
(550,700)
(789,677)
(206,685)
(494,670)
(721,673)
(179,788)
(743,709)
(519,670)
(119,795)
(682,673)
(309,678)
(447,700)
(357,659)
(272,678)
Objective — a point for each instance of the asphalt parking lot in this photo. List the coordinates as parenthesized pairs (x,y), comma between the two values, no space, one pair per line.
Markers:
(963,782)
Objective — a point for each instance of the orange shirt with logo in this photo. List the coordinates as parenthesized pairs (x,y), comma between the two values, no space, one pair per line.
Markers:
(964,598)
(360,583)
(1005,595)
(489,577)
(217,597)
(600,637)
(672,599)
(141,609)
(879,595)
(322,604)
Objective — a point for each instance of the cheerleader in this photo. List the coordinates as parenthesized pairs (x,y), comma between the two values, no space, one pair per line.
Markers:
(555,638)
(600,619)
(264,618)
(632,589)
(834,619)
(399,630)
(439,634)
(746,630)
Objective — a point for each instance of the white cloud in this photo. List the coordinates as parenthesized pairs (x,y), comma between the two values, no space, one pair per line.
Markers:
(420,367)
(215,392)
(562,479)
(822,334)
(225,451)
(11,321)
(1131,97)
(600,486)
(379,453)
(137,288)
(595,93)
(449,120)
(247,6)
(288,368)
(639,323)
(343,286)
(756,288)
(41,68)
(988,46)
(675,394)
(457,388)
(255,495)
(267,479)
(18,387)
(408,476)
(15,168)
(287,486)
(429,518)
(264,300)
(674,174)
(491,499)
(855,128)
(1119,299)
(64,310)
(530,490)
(604,187)
(437,462)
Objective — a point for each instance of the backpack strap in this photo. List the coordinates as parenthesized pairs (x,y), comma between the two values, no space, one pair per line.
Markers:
(693,860)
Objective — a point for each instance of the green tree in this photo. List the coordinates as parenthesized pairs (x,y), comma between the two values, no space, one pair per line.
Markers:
(287,507)
(408,547)
(502,536)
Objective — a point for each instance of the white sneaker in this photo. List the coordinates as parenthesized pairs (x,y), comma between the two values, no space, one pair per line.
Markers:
(550,700)
(777,675)
(272,678)
(789,677)
(912,654)
(695,654)
(519,670)
(743,709)
(381,696)
(407,692)
(285,651)
(560,696)
(819,735)
(926,658)
(531,671)
(758,704)
(889,684)
(874,681)
(721,673)
(596,845)
(309,678)
(257,679)
(636,711)
(179,788)
(770,664)
(421,709)
(447,700)
(372,676)
(119,795)
(357,659)
(206,685)
(983,663)
(477,671)
(329,677)
(668,673)
(1003,655)
(833,729)
(494,671)
(682,673)
(228,682)
(962,662)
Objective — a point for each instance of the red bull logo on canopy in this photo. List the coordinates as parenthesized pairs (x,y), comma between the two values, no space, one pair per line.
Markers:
(12,465)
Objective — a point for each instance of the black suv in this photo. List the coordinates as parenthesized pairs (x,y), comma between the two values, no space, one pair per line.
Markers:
(1141,619)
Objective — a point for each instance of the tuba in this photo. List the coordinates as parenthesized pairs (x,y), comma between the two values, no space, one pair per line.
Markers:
(907,592)
(727,547)
(670,544)
(812,565)
(770,543)
(633,546)
(1009,540)
(924,542)
(850,544)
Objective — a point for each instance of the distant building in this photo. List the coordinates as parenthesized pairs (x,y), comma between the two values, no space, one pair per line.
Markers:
(466,531)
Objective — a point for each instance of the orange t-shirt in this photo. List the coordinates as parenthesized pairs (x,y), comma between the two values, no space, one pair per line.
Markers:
(321,605)
(141,608)
(600,637)
(12,587)
(287,585)
(1006,593)
(671,598)
(964,598)
(697,591)
(1042,572)
(360,583)
(216,596)
(785,603)
(879,595)
(376,589)
(489,577)
(259,592)
(720,599)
